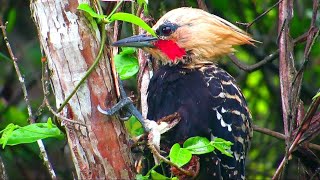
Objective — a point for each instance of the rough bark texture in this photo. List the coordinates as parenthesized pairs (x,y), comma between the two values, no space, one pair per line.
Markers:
(286,64)
(71,42)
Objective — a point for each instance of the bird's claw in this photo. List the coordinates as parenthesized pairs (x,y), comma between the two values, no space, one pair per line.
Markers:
(126,102)
(123,102)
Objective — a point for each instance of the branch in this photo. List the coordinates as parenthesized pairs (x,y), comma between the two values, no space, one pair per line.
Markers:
(280,136)
(288,103)
(248,25)
(202,5)
(256,66)
(267,59)
(43,152)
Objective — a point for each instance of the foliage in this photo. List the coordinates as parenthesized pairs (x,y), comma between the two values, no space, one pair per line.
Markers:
(198,145)
(117,16)
(14,134)
(261,88)
(154,175)
(180,156)
(134,127)
(127,64)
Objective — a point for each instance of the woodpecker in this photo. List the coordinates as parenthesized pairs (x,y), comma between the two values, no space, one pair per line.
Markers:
(188,44)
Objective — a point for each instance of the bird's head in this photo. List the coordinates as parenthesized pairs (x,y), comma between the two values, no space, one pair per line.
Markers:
(189,35)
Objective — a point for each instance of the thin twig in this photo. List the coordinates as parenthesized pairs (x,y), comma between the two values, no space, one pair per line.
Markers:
(248,25)
(202,5)
(306,121)
(133,26)
(280,136)
(250,68)
(139,11)
(43,152)
(16,67)
(62,117)
(265,60)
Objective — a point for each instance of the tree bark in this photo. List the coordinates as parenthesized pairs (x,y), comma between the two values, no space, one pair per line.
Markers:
(70,42)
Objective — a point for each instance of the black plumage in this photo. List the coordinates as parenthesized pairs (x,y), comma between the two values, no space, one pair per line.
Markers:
(191,86)
(210,105)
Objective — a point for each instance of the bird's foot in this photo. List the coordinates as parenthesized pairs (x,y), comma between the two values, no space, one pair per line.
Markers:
(125,102)
(160,127)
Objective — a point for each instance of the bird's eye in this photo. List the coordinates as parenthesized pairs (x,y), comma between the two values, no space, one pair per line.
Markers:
(166,30)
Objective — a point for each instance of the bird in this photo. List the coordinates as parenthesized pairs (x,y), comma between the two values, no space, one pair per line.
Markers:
(189,82)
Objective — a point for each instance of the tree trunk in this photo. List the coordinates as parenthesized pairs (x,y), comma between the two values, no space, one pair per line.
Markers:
(70,42)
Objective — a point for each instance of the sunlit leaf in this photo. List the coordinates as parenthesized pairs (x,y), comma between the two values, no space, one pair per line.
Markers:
(133,126)
(141,177)
(86,8)
(223,146)
(7,133)
(49,123)
(179,156)
(198,145)
(127,65)
(158,176)
(128,51)
(132,19)
(4,57)
(30,133)
(144,3)
(12,18)
(316,96)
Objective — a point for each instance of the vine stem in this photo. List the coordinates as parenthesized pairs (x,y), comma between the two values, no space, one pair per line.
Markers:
(95,63)
(97,59)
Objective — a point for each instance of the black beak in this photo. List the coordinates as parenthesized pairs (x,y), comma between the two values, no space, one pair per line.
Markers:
(139,41)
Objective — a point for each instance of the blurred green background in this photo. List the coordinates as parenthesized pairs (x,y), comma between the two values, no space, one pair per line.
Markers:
(261,87)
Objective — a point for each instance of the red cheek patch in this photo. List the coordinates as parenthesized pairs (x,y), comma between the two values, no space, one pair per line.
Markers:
(171,49)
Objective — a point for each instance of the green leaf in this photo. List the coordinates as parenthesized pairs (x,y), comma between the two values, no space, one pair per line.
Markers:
(86,8)
(4,57)
(126,64)
(32,133)
(7,133)
(316,96)
(142,2)
(223,146)
(12,18)
(128,51)
(158,176)
(133,126)
(134,20)
(141,177)
(49,123)
(198,145)
(179,156)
